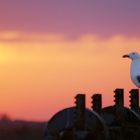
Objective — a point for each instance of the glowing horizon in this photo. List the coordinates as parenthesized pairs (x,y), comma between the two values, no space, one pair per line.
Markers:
(36,74)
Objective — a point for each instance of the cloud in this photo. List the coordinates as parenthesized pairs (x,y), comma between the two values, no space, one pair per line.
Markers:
(31,37)
(50,46)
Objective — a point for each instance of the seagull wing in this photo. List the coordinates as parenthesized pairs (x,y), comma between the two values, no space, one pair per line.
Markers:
(138,78)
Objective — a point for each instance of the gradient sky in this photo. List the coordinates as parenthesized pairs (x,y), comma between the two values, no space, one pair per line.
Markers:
(51,50)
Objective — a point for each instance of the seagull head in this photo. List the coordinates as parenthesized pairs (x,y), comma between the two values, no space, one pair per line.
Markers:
(132,56)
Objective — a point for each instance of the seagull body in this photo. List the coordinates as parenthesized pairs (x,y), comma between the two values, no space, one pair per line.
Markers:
(135,72)
(134,68)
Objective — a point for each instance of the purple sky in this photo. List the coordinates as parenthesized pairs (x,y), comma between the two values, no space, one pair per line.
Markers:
(44,69)
(72,17)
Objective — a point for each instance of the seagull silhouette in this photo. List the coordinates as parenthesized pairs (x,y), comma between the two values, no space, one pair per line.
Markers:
(135,67)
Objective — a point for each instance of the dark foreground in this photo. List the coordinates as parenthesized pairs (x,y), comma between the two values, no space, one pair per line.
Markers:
(21,130)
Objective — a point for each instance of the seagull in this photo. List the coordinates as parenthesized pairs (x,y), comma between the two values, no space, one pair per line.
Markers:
(135,67)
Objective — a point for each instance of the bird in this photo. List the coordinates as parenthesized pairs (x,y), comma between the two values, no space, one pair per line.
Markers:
(135,67)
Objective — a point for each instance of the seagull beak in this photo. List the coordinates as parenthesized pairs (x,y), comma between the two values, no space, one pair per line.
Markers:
(126,56)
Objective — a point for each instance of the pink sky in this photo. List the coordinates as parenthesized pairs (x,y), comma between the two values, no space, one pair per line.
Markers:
(41,77)
(50,51)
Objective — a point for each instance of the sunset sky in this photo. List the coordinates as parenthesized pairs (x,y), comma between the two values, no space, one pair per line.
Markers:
(53,49)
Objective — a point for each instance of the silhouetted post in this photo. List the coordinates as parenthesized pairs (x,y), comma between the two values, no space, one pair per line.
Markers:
(134,99)
(97,103)
(119,97)
(80,112)
(119,105)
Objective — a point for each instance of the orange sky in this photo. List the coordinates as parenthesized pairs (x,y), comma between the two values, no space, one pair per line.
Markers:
(41,73)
